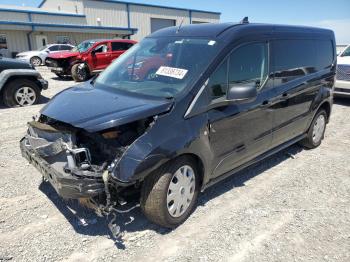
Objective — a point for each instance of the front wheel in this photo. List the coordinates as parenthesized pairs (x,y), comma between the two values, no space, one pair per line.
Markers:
(80,73)
(169,195)
(21,92)
(35,61)
(316,130)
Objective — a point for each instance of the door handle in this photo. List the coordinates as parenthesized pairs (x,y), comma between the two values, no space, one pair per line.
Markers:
(266,103)
(285,95)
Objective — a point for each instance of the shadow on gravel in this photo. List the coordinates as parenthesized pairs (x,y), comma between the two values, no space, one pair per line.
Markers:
(64,79)
(86,222)
(239,179)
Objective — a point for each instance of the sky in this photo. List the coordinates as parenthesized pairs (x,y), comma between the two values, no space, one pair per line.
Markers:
(333,14)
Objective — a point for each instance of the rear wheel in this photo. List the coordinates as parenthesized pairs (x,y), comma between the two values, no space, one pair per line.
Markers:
(316,131)
(35,61)
(80,73)
(21,92)
(169,195)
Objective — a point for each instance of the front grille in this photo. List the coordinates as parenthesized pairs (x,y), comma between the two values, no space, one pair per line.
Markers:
(51,63)
(343,72)
(341,90)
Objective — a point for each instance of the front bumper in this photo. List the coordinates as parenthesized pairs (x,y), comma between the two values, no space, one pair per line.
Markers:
(44,84)
(68,186)
(342,88)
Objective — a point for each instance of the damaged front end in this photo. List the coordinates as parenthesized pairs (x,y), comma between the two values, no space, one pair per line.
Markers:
(78,163)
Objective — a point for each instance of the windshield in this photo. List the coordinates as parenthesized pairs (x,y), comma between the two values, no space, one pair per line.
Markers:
(43,48)
(160,67)
(346,52)
(83,46)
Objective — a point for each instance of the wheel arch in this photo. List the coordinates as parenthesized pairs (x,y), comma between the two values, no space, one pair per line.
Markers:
(327,107)
(199,164)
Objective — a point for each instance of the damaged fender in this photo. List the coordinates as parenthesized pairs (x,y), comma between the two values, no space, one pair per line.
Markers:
(153,149)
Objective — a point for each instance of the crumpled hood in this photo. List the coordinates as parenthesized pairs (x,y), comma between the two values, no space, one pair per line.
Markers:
(95,109)
(63,54)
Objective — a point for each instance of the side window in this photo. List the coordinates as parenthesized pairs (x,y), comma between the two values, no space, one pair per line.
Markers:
(66,47)
(293,59)
(54,48)
(325,54)
(103,48)
(249,65)
(217,84)
(118,46)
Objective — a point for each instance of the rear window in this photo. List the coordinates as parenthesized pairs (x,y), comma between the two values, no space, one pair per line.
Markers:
(118,46)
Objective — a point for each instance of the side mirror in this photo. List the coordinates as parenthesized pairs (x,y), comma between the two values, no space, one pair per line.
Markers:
(242,93)
(93,52)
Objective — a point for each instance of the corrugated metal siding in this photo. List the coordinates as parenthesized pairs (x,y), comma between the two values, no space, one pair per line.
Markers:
(205,17)
(65,5)
(16,40)
(110,14)
(12,16)
(141,18)
(49,19)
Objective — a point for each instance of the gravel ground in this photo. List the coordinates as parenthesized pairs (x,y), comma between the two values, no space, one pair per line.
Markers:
(294,206)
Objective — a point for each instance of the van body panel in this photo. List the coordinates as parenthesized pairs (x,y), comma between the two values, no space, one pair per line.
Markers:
(227,137)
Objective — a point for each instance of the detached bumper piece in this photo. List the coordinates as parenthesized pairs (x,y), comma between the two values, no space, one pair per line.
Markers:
(66,185)
(50,154)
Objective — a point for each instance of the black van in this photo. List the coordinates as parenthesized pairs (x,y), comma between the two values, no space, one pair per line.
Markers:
(181,110)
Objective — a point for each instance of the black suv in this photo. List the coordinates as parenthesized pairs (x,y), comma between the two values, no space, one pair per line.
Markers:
(183,109)
(20,83)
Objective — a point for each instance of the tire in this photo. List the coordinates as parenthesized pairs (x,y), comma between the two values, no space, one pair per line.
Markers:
(80,75)
(156,193)
(35,61)
(18,88)
(316,131)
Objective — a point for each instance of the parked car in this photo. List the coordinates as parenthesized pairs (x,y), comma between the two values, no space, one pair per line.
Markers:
(38,57)
(20,83)
(88,58)
(342,84)
(224,96)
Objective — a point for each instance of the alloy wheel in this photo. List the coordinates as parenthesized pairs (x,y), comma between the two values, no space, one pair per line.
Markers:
(36,61)
(25,96)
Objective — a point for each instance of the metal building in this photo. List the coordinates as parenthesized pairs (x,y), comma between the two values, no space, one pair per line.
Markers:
(61,21)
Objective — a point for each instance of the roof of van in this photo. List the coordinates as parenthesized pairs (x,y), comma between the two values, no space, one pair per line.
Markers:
(226,30)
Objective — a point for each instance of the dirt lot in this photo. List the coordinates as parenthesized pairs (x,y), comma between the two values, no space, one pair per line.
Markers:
(295,206)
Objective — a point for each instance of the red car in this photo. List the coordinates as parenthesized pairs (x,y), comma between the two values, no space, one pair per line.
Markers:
(88,58)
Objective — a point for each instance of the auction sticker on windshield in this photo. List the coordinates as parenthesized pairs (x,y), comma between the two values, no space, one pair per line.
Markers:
(172,72)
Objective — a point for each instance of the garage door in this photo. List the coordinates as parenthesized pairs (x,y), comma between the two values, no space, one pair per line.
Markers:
(157,23)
